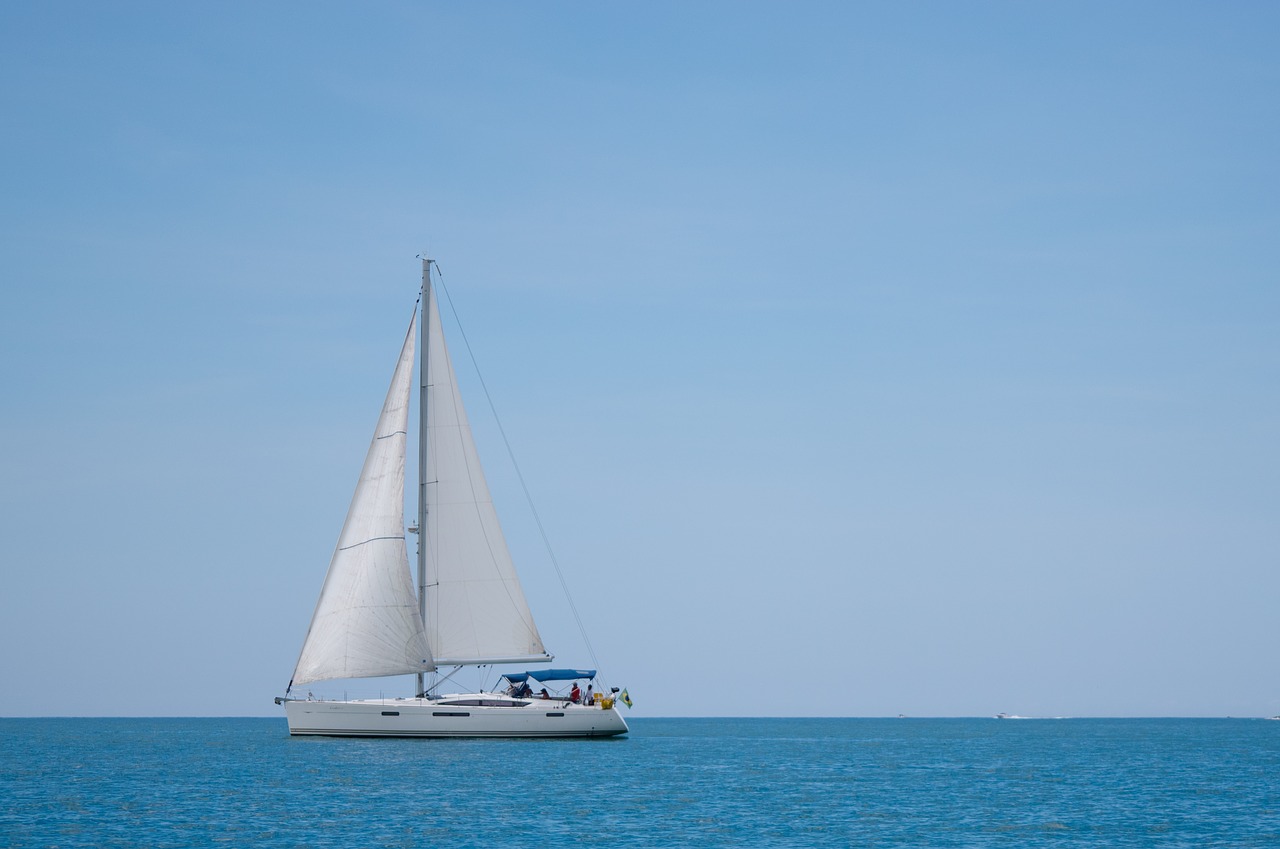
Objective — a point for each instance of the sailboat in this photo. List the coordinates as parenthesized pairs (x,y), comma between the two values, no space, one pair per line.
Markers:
(468,608)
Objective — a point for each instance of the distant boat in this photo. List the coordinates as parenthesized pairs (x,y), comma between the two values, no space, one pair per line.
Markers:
(1002,716)
(469,608)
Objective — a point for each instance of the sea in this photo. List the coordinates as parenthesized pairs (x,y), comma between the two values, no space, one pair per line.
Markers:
(670,782)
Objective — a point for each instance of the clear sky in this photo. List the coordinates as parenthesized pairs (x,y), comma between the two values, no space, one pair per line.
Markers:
(862,359)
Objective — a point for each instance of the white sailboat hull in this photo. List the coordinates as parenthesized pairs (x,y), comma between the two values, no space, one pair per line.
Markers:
(440,718)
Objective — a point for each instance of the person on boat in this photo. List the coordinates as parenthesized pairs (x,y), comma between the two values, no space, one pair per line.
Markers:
(590,699)
(525,691)
(575,695)
(545,694)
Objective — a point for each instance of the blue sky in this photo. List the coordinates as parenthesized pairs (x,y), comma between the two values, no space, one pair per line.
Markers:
(872,359)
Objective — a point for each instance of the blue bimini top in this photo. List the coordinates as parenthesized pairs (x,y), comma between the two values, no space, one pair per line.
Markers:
(550,675)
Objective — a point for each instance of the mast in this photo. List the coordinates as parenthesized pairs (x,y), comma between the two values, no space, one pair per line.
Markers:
(424,325)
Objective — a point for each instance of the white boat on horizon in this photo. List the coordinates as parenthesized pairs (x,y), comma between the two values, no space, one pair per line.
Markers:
(468,608)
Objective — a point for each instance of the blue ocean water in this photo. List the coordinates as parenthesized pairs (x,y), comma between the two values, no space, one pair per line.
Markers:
(671,782)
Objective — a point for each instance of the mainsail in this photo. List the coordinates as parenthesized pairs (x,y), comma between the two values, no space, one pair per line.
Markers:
(367,621)
(475,609)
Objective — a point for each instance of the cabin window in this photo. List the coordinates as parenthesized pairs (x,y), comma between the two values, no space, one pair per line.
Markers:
(450,713)
(557,713)
(391,713)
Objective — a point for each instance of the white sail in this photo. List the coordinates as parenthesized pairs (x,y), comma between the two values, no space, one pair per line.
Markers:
(475,609)
(367,621)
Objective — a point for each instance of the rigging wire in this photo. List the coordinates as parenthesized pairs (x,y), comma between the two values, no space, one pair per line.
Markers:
(546,542)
